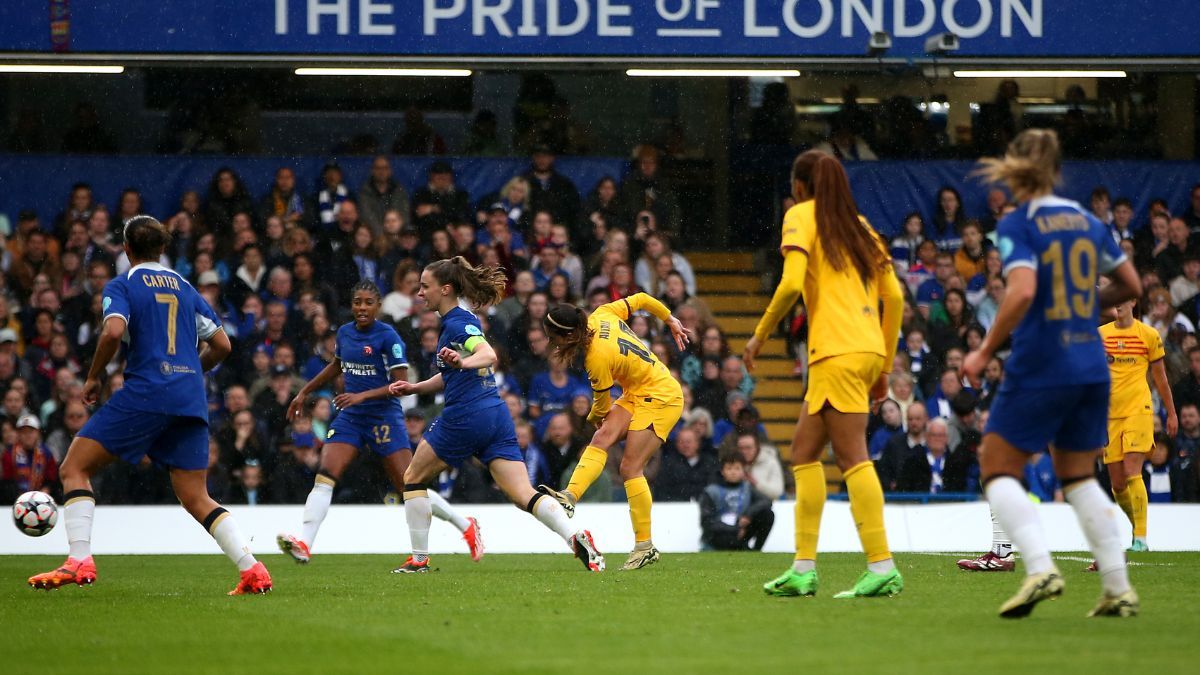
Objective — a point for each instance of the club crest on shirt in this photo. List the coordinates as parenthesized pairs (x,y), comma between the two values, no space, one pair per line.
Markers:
(164,368)
(367,350)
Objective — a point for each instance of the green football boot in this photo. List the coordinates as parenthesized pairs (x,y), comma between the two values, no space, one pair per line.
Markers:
(1139,546)
(792,583)
(871,585)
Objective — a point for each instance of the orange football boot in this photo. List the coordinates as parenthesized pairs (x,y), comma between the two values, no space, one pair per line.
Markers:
(474,538)
(411,566)
(254,580)
(79,572)
(294,547)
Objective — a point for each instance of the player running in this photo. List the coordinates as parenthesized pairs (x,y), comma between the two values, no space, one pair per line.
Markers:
(475,421)
(650,405)
(1056,391)
(1133,348)
(842,268)
(162,411)
(370,355)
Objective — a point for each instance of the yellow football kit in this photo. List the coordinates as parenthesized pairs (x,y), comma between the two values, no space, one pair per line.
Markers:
(848,345)
(617,356)
(1130,412)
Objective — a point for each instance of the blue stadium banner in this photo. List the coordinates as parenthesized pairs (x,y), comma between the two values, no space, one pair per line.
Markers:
(618,28)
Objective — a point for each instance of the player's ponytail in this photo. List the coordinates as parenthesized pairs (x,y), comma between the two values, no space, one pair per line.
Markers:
(1031,165)
(844,238)
(481,285)
(146,237)
(567,327)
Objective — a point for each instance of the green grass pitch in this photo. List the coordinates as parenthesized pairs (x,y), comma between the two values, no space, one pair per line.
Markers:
(542,613)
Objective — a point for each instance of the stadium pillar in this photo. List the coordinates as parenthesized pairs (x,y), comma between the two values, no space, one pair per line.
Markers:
(1177,115)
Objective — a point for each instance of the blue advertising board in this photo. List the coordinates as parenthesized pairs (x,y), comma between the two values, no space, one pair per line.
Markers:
(615,28)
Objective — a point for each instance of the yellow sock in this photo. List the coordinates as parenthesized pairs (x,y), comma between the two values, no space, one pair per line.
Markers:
(1135,487)
(590,466)
(866,505)
(637,491)
(810,502)
(1123,499)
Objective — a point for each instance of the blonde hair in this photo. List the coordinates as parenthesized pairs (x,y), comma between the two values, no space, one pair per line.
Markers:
(1031,165)
(514,182)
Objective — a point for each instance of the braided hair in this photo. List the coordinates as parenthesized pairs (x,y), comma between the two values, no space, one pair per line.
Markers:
(368,286)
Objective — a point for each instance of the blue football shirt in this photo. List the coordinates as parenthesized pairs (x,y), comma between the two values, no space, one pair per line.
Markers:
(1057,342)
(165,318)
(368,358)
(466,390)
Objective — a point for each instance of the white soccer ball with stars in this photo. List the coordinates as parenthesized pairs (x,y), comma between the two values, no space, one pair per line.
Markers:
(35,513)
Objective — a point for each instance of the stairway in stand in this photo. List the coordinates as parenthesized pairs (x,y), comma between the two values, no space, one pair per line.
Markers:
(729,283)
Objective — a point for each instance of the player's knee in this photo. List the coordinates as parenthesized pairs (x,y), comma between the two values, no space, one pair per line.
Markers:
(629,468)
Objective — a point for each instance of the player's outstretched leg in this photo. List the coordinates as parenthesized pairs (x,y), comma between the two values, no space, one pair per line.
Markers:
(469,527)
(513,479)
(998,559)
(84,458)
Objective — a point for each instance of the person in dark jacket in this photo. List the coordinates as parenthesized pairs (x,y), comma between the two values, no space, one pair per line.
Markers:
(685,471)
(733,515)
(549,190)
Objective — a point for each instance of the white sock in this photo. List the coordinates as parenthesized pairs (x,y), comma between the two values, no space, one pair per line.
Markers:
(230,539)
(1098,519)
(419,514)
(1018,516)
(315,509)
(802,566)
(443,511)
(1001,544)
(78,516)
(552,515)
(882,566)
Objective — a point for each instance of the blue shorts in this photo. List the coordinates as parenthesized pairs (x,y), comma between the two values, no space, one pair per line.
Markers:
(383,435)
(487,434)
(1069,418)
(175,441)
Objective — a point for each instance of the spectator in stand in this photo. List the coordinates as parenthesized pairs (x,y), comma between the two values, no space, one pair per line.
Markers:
(358,261)
(733,515)
(400,302)
(969,260)
(1187,389)
(499,232)
(532,356)
(1158,473)
(440,202)
(1185,458)
(482,138)
(75,415)
(949,385)
(993,268)
(549,190)
(890,423)
(561,449)
(763,468)
(934,290)
(249,277)
(548,267)
(685,471)
(227,196)
(997,199)
(843,143)
(938,469)
(985,311)
(904,245)
(1162,315)
(558,291)
(1169,261)
(1191,214)
(551,391)
(1185,286)
(380,194)
(1122,220)
(1101,203)
(535,461)
(571,263)
(948,218)
(923,269)
(36,259)
(27,464)
(331,195)
(949,325)
(510,309)
(602,210)
(712,393)
(284,200)
(902,446)
(418,137)
(656,246)
(332,242)
(79,208)
(250,486)
(622,284)
(1151,240)
(129,204)
(645,190)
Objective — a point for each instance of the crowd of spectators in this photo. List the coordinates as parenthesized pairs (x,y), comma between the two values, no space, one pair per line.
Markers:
(277,268)
(925,437)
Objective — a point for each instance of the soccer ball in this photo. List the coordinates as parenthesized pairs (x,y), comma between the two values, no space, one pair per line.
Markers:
(35,513)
